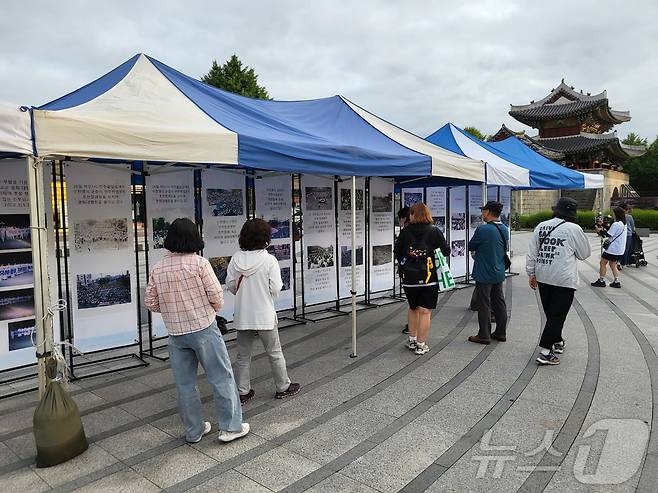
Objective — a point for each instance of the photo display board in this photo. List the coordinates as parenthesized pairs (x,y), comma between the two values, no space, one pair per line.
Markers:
(319,240)
(492,193)
(458,231)
(506,200)
(224,211)
(436,202)
(274,205)
(169,195)
(345,254)
(17,322)
(474,213)
(102,256)
(411,196)
(382,227)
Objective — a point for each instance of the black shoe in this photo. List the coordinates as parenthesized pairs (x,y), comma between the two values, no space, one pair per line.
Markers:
(499,338)
(558,347)
(598,283)
(615,284)
(406,329)
(293,389)
(247,397)
(549,359)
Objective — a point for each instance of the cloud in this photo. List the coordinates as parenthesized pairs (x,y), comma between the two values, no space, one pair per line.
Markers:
(416,63)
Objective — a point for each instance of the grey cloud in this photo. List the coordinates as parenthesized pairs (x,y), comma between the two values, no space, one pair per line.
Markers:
(416,63)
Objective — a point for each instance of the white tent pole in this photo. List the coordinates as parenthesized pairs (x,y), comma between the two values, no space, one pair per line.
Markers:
(43,318)
(353,291)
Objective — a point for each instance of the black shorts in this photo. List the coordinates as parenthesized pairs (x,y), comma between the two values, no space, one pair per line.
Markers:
(611,257)
(423,296)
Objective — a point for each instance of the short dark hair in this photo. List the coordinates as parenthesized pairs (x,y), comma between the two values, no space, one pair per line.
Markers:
(256,234)
(403,213)
(183,237)
(620,214)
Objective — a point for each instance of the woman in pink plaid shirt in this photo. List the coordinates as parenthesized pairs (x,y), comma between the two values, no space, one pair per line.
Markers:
(185,290)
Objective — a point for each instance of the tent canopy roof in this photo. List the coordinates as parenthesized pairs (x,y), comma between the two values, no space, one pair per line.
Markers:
(15,133)
(512,163)
(145,110)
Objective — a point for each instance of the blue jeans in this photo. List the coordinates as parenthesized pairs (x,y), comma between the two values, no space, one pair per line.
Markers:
(185,353)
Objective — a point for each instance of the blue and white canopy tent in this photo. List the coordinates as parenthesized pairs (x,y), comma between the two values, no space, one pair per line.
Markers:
(144,110)
(513,164)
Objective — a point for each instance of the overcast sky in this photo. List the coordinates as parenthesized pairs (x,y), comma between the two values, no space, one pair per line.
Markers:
(418,64)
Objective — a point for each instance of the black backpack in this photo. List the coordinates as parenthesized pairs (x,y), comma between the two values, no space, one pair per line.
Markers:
(417,268)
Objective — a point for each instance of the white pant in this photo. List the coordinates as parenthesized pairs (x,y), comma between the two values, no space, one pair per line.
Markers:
(270,340)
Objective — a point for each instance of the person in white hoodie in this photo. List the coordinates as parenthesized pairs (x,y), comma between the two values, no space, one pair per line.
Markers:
(614,246)
(551,267)
(254,277)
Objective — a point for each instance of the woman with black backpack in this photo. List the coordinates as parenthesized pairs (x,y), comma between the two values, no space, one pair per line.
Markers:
(414,251)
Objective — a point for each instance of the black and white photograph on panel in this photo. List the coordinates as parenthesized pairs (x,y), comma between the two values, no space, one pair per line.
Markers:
(225,202)
(15,233)
(16,269)
(103,289)
(346,199)
(382,254)
(346,256)
(285,278)
(411,198)
(280,228)
(319,199)
(160,230)
(440,222)
(21,334)
(458,248)
(281,252)
(382,203)
(15,304)
(476,220)
(458,221)
(220,266)
(319,256)
(92,235)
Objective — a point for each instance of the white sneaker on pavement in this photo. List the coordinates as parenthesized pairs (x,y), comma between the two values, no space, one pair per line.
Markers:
(229,436)
(206,429)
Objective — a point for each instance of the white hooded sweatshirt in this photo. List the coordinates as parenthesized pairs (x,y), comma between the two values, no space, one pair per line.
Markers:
(254,277)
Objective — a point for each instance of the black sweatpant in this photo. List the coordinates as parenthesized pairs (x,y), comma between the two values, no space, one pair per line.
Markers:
(556,302)
(489,298)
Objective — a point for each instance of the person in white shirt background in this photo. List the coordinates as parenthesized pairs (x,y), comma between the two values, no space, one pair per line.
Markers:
(254,277)
(614,246)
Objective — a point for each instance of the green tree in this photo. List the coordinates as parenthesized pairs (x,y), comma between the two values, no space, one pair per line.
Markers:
(476,133)
(633,139)
(233,77)
(643,171)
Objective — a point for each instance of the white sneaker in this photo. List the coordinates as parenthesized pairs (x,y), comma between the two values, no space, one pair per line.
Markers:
(422,348)
(411,344)
(206,429)
(229,436)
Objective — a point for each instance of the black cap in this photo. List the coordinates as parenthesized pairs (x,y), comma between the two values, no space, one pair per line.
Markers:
(566,207)
(496,208)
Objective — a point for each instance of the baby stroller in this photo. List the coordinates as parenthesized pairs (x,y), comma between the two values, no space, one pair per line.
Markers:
(637,257)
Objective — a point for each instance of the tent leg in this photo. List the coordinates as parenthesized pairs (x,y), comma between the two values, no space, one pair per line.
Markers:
(353,291)
(44,329)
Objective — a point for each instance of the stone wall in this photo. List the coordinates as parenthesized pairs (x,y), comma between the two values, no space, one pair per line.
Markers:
(531,201)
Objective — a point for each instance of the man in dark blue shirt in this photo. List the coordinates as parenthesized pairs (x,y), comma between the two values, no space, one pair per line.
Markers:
(489,249)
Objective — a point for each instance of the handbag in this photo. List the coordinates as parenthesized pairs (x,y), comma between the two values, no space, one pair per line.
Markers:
(443,274)
(506,259)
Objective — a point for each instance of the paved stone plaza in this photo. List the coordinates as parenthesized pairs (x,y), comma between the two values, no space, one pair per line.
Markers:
(463,417)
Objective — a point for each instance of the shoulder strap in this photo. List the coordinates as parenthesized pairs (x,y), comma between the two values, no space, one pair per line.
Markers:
(500,232)
(542,240)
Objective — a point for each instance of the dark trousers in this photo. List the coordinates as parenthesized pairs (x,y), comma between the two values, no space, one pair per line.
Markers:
(556,302)
(626,259)
(489,299)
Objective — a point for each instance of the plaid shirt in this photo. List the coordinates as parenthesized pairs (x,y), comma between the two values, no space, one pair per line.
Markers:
(185,290)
